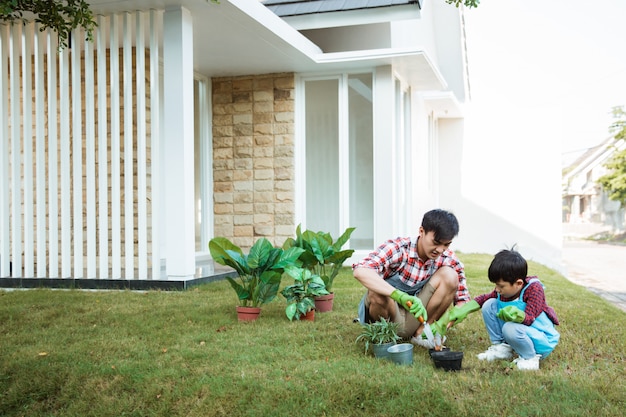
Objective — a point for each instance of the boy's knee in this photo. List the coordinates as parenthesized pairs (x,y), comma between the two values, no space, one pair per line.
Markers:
(489,307)
(511,330)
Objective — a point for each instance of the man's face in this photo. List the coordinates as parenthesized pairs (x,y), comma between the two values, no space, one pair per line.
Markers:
(430,248)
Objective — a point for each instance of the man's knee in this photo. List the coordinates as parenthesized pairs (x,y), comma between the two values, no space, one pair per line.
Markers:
(379,306)
(445,279)
(377,299)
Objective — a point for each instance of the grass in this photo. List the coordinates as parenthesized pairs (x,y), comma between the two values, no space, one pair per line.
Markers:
(75,353)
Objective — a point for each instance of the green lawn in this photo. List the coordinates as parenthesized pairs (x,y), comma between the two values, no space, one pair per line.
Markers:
(75,353)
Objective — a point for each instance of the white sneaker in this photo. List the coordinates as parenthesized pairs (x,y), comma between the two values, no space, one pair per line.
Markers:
(531,364)
(423,342)
(497,351)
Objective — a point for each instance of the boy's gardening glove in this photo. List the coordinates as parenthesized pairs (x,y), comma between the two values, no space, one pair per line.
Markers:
(459,313)
(439,327)
(511,313)
(410,302)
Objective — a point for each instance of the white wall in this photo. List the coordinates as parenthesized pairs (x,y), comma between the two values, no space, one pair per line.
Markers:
(501,180)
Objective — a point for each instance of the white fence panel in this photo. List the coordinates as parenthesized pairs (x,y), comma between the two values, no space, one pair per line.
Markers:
(80,150)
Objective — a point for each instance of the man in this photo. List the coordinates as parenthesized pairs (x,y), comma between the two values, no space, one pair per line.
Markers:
(407,278)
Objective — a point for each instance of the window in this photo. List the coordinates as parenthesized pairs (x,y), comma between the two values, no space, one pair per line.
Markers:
(338,136)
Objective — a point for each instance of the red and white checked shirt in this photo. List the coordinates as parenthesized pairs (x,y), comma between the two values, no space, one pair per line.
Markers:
(399,256)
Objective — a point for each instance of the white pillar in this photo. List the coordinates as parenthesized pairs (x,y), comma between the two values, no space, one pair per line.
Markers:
(178,137)
(384,137)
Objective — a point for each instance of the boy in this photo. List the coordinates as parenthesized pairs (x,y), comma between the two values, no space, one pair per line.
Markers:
(407,278)
(515,313)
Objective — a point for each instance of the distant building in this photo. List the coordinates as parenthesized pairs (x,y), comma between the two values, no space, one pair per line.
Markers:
(584,200)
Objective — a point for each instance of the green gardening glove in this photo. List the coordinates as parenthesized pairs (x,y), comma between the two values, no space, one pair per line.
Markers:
(511,313)
(459,313)
(410,302)
(440,326)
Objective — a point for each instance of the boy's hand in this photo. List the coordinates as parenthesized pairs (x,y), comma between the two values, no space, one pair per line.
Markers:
(410,302)
(511,313)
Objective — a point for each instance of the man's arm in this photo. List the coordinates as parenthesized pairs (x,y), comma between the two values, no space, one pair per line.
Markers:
(370,279)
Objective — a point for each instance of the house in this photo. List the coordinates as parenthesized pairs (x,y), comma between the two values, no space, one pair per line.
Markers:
(586,206)
(187,119)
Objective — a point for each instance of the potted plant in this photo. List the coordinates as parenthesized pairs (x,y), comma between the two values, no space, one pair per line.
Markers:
(323,256)
(300,295)
(380,335)
(258,273)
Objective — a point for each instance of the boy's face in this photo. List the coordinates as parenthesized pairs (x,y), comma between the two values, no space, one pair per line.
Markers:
(430,248)
(508,290)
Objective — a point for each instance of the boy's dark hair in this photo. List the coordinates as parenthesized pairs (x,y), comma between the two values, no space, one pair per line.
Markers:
(443,223)
(509,266)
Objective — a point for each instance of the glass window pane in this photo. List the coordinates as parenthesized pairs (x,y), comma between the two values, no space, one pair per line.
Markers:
(322,155)
(360,121)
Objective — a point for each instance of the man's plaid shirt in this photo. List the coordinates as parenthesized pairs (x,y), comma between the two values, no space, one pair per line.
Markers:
(399,256)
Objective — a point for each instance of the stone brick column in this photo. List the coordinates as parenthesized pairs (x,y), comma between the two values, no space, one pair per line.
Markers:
(253,158)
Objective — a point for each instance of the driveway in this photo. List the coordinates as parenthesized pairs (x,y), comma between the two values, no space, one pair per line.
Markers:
(600,267)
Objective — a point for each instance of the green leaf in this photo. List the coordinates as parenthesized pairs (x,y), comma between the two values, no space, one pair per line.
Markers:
(320,247)
(343,239)
(294,272)
(259,253)
(270,277)
(288,257)
(265,293)
(218,247)
(242,293)
(291,311)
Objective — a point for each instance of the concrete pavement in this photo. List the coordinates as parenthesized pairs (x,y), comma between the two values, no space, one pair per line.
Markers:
(599,267)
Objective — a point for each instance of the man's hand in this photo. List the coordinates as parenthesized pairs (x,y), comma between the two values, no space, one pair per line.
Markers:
(458,314)
(410,302)
(511,313)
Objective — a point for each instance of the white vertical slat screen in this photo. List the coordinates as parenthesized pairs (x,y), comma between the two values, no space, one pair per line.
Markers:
(116,227)
(128,146)
(103,183)
(65,191)
(16,154)
(79,151)
(40,153)
(155,134)
(90,159)
(53,158)
(27,132)
(140,75)
(4,153)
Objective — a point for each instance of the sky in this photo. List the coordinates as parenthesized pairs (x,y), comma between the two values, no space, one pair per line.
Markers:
(562,59)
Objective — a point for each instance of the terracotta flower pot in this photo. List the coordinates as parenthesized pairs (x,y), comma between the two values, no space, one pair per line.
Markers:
(248,313)
(324,303)
(310,316)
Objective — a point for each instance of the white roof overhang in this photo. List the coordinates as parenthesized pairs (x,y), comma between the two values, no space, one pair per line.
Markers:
(243,37)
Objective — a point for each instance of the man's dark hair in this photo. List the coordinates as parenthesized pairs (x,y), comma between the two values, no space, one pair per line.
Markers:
(509,266)
(442,222)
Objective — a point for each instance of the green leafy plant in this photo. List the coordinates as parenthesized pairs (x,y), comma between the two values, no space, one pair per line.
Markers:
(61,16)
(259,272)
(467,3)
(378,332)
(322,255)
(301,294)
